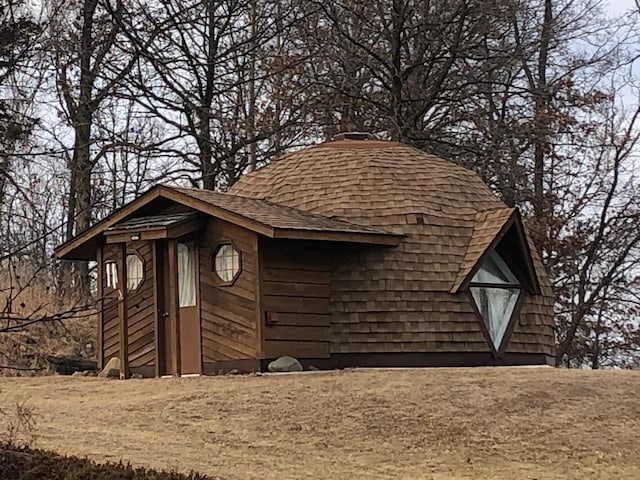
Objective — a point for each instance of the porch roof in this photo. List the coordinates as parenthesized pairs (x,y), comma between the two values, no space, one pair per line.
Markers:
(260,216)
(152,221)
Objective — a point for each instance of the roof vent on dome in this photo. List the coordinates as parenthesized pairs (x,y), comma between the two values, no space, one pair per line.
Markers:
(355,136)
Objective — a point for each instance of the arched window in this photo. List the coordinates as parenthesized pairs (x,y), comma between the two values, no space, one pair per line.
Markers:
(495,291)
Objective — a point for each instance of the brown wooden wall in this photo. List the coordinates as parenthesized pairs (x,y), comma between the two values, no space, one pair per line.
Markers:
(140,311)
(229,313)
(295,285)
(110,325)
(381,302)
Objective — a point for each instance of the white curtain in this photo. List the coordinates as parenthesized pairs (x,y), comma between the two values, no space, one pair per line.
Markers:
(187,274)
(227,262)
(135,272)
(496,306)
(111,272)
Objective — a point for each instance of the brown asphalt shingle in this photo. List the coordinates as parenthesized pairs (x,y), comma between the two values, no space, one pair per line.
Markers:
(402,295)
(272,215)
(486,227)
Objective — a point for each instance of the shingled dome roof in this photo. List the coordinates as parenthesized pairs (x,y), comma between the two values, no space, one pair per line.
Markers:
(374,182)
(445,210)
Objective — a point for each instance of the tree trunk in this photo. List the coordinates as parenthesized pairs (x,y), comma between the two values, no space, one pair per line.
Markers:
(80,204)
(541,115)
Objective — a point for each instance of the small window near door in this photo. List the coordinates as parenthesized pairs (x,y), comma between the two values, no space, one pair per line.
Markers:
(227,262)
(135,272)
(187,274)
(111,274)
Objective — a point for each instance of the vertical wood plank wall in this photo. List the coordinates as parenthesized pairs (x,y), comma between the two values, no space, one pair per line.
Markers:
(295,286)
(228,312)
(100,305)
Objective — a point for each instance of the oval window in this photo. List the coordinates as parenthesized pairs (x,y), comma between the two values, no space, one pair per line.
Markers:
(135,272)
(227,262)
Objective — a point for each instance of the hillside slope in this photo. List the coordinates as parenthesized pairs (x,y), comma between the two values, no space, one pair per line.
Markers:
(525,423)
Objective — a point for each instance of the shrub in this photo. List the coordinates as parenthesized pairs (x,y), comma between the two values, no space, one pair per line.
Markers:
(27,464)
(28,293)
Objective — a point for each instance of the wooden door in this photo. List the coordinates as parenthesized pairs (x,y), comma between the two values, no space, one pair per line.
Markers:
(167,312)
(179,350)
(189,310)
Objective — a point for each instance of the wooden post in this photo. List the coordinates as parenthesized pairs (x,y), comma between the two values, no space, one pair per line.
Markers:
(196,253)
(174,302)
(156,303)
(259,298)
(122,311)
(100,285)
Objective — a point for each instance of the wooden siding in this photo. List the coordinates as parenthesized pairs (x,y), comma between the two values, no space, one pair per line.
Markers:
(228,312)
(295,287)
(140,311)
(381,301)
(110,326)
(397,299)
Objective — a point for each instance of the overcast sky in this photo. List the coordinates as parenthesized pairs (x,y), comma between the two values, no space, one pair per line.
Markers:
(621,5)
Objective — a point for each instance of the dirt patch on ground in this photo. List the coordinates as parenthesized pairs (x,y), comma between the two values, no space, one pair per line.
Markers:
(524,423)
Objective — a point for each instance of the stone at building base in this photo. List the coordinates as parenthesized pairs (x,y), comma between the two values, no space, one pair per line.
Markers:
(111,369)
(285,364)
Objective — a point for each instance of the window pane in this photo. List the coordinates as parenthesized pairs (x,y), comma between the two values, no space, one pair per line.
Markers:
(187,274)
(495,270)
(135,272)
(227,262)
(111,274)
(496,306)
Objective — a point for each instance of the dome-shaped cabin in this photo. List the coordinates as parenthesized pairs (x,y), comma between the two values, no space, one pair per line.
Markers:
(354,252)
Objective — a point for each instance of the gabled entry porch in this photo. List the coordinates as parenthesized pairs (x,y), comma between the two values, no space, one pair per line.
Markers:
(150,295)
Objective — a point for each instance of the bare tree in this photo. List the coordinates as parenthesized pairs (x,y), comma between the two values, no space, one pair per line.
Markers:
(91,63)
(212,72)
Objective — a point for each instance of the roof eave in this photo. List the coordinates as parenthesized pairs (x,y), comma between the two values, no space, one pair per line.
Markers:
(84,245)
(372,238)
(217,212)
(73,248)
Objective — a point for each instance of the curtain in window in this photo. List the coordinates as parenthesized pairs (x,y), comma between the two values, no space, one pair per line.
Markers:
(135,272)
(111,273)
(496,306)
(227,262)
(187,274)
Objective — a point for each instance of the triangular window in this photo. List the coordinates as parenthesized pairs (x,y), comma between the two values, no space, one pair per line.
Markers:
(495,291)
(494,270)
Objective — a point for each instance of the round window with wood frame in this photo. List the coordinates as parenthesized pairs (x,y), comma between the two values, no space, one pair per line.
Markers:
(227,263)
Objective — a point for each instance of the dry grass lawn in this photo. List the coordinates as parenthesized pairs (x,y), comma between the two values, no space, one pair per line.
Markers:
(505,423)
